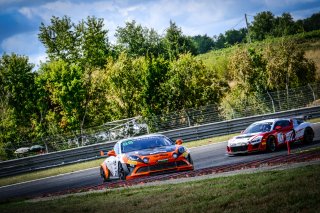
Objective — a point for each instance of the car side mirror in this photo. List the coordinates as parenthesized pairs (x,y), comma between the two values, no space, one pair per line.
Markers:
(179,141)
(278,128)
(112,153)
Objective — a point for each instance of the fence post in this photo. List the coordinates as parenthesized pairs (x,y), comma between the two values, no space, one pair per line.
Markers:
(274,109)
(314,96)
(188,118)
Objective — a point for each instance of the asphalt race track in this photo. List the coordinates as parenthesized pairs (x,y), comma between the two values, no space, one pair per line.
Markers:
(203,157)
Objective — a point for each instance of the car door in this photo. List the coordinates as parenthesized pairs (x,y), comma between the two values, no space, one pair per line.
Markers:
(286,133)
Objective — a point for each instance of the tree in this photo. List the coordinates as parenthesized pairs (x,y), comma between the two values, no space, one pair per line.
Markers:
(311,23)
(287,66)
(247,68)
(17,97)
(138,40)
(93,42)
(235,36)
(203,43)
(64,84)
(17,81)
(124,85)
(191,84)
(153,77)
(176,43)
(284,25)
(84,43)
(262,25)
(241,102)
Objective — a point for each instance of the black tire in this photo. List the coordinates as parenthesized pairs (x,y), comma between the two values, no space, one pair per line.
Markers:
(271,144)
(122,173)
(308,135)
(102,174)
(189,159)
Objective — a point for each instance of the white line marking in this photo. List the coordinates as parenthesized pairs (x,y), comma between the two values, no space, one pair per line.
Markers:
(30,181)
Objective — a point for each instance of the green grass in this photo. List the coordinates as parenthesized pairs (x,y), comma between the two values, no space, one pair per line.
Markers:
(86,165)
(314,120)
(293,190)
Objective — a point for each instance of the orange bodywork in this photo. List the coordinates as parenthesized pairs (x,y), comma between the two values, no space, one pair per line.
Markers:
(158,163)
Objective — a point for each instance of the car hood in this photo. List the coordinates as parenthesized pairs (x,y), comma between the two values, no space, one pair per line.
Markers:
(153,151)
(243,138)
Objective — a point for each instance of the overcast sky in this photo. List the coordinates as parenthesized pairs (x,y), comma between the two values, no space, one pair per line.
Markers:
(20,19)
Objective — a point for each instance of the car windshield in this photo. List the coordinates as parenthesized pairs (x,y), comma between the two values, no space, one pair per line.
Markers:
(258,127)
(144,143)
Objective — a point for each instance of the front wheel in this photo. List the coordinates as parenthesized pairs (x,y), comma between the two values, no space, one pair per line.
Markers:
(189,159)
(121,172)
(104,176)
(308,135)
(271,144)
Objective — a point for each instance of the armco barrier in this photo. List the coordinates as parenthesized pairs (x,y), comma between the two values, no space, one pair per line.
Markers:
(38,162)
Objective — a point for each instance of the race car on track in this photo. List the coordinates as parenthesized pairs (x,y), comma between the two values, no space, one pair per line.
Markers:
(268,135)
(145,155)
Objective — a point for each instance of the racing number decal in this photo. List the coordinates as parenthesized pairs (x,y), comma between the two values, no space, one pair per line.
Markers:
(280,137)
(290,136)
(111,164)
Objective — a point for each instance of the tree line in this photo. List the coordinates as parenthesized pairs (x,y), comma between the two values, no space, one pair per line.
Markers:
(265,24)
(88,81)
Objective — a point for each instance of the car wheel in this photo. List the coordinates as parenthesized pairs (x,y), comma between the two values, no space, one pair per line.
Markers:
(121,172)
(103,175)
(189,159)
(271,144)
(308,135)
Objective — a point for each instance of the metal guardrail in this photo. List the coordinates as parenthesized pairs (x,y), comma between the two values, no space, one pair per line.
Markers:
(34,163)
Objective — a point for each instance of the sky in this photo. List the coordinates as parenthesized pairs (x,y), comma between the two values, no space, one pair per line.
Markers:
(20,19)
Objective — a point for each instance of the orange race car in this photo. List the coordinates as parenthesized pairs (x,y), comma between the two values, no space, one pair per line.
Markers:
(145,155)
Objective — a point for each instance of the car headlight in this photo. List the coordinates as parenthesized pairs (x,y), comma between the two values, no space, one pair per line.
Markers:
(146,160)
(174,155)
(134,158)
(181,150)
(230,141)
(256,140)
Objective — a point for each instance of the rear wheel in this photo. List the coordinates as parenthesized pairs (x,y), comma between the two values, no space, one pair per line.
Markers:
(271,144)
(308,135)
(103,175)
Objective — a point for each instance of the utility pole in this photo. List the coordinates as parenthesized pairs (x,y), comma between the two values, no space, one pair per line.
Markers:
(245,16)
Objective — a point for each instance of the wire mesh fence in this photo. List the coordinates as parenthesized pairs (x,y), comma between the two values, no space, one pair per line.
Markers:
(269,102)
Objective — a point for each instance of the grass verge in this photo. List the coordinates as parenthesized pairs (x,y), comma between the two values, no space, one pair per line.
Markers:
(89,164)
(292,190)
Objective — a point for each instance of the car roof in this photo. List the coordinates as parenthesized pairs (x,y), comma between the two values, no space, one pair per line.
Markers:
(272,120)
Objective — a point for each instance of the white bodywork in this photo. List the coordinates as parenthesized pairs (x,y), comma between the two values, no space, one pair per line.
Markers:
(296,134)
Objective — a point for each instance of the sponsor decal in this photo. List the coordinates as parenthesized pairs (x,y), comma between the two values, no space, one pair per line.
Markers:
(126,143)
(132,162)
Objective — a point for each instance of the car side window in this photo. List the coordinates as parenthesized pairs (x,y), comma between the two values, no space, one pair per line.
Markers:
(116,148)
(283,123)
